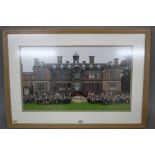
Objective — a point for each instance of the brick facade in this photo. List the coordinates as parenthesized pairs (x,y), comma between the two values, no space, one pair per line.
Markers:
(80,77)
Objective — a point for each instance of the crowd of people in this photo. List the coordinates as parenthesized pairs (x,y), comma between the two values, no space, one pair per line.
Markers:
(107,98)
(48,98)
(65,98)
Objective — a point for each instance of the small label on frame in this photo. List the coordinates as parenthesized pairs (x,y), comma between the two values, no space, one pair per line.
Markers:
(80,121)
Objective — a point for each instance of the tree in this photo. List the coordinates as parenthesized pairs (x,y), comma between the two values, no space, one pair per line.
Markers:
(125,67)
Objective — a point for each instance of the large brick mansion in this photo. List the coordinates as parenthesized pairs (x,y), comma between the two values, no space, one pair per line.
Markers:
(72,76)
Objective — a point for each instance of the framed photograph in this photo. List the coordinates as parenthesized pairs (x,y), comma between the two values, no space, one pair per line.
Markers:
(76,77)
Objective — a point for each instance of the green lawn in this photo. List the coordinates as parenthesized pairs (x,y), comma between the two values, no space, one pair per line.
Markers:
(76,107)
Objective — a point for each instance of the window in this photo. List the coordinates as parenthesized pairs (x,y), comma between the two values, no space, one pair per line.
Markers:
(91,66)
(41,75)
(62,66)
(112,85)
(76,76)
(62,75)
(98,66)
(77,86)
(113,75)
(91,75)
(83,67)
(41,86)
(98,75)
(69,66)
(54,66)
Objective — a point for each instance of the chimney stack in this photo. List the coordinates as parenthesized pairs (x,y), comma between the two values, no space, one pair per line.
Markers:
(59,59)
(91,59)
(36,61)
(116,61)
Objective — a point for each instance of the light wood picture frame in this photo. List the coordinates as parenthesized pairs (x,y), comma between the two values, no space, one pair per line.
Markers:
(21,113)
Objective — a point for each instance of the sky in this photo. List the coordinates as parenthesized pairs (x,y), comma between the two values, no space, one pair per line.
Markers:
(49,54)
